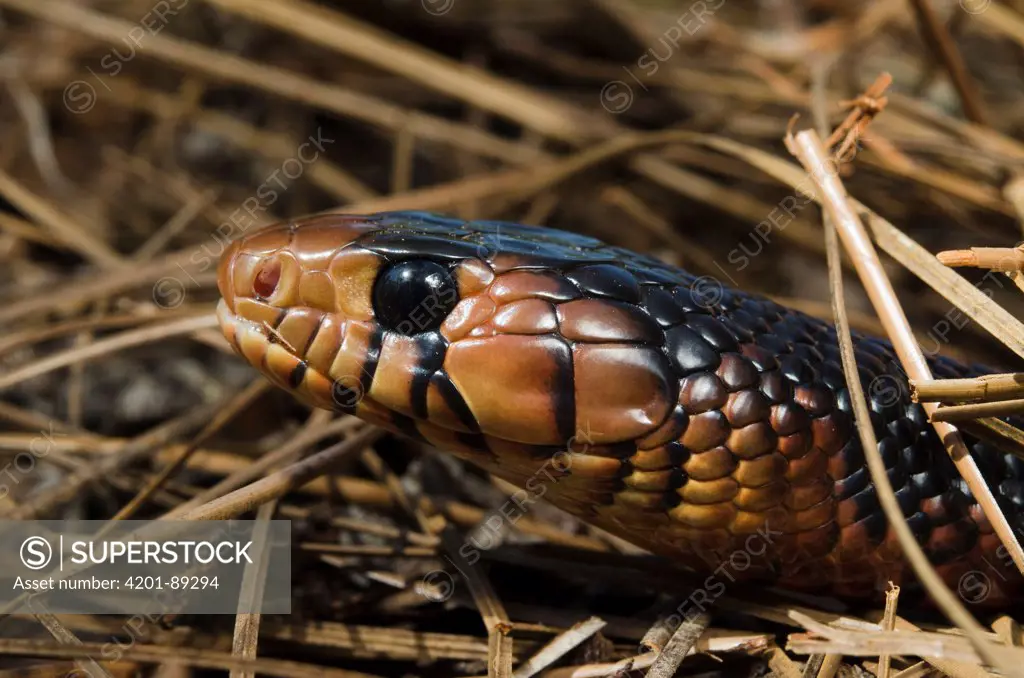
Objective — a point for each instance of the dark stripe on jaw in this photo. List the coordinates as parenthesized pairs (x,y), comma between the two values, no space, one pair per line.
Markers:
(270,331)
(431,348)
(298,374)
(312,337)
(454,400)
(563,395)
(279,319)
(345,393)
(372,358)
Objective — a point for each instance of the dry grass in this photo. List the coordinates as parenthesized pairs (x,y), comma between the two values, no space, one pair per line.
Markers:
(136,141)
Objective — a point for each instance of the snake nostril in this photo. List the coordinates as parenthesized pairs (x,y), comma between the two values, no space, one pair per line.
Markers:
(267,278)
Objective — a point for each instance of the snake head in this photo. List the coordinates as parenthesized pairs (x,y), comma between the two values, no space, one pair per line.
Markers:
(468,335)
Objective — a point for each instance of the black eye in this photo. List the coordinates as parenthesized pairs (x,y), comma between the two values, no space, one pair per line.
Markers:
(414,296)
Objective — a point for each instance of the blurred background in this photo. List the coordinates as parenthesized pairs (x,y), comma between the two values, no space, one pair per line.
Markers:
(140,136)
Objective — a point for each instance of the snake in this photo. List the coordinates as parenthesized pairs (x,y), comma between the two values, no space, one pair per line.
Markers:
(701,423)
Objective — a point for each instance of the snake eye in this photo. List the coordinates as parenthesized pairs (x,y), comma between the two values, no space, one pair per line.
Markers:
(267,278)
(414,296)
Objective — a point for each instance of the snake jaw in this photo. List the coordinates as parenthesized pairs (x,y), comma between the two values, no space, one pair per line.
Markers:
(228,323)
(298,350)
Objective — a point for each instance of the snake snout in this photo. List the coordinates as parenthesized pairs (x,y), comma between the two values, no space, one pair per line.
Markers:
(296,305)
(224,267)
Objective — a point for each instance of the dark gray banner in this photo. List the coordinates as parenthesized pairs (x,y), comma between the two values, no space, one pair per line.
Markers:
(146,567)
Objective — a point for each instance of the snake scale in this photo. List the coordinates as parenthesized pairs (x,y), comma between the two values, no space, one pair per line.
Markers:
(685,417)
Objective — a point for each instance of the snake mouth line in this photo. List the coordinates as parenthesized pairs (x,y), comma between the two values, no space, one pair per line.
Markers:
(307,352)
(285,361)
(230,323)
(252,339)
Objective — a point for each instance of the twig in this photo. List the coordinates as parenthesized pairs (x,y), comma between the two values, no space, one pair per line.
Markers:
(559,646)
(226,67)
(864,109)
(184,656)
(499,651)
(314,431)
(64,635)
(781,664)
(491,609)
(942,646)
(1005,259)
(955,413)
(80,291)
(276,485)
(254,390)
(371,550)
(830,665)
(679,646)
(989,387)
(711,642)
(75,235)
(72,485)
(972,301)
(128,339)
(892,597)
(945,49)
(381,472)
(998,433)
(660,632)
(254,579)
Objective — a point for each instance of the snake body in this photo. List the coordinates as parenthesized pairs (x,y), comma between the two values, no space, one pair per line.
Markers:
(683,416)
